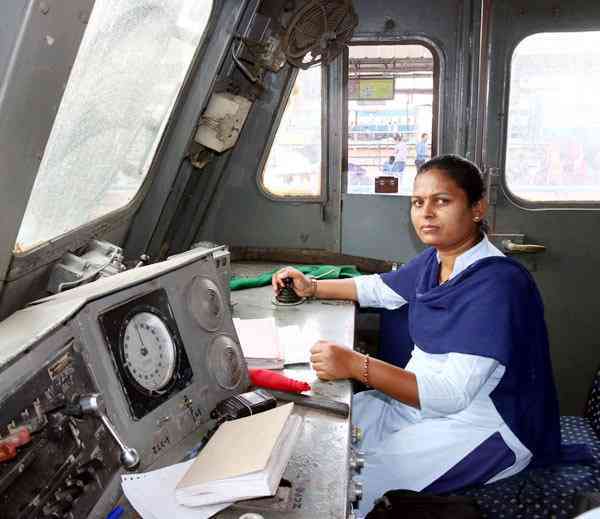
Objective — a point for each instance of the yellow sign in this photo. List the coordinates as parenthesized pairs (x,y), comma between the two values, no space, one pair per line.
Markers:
(370,89)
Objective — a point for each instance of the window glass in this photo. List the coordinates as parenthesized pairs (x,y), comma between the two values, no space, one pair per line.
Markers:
(130,67)
(553,150)
(293,167)
(390,116)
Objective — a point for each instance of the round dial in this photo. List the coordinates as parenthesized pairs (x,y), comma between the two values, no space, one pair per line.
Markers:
(226,361)
(149,351)
(205,303)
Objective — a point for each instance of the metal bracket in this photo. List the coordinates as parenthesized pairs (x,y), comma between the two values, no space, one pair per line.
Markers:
(492,180)
(102,259)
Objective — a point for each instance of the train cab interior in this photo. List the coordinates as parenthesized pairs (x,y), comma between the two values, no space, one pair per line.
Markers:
(154,153)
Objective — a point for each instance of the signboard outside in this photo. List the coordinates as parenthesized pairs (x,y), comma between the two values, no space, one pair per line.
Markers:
(371,89)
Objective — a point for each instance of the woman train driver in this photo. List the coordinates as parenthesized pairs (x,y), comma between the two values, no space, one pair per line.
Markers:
(476,402)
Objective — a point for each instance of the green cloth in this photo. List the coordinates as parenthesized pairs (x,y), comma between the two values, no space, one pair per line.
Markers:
(315,271)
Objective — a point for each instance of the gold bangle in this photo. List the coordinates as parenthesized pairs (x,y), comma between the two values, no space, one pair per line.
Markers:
(365,373)
(313,282)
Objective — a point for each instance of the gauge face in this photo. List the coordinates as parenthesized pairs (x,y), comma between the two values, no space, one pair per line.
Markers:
(205,303)
(226,362)
(148,351)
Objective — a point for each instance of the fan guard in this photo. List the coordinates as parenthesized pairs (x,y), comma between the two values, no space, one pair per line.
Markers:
(318,31)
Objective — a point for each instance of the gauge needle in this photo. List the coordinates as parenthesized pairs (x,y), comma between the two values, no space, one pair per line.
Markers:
(143,351)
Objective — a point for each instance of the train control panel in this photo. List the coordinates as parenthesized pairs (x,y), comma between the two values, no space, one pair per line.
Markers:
(108,378)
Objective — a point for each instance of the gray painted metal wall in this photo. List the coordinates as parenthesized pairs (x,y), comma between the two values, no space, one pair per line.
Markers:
(240,214)
(171,170)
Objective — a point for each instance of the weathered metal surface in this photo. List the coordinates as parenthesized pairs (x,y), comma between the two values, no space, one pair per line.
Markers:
(318,469)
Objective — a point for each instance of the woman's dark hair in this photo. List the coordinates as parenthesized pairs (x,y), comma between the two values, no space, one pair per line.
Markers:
(464,173)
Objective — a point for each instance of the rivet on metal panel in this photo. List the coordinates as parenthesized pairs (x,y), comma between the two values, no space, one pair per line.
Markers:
(44,8)
(389,25)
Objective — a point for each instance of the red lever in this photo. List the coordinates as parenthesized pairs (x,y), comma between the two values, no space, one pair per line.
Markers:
(271,380)
(17,438)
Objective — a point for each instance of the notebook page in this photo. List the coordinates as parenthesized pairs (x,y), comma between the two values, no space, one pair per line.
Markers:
(152,494)
(258,338)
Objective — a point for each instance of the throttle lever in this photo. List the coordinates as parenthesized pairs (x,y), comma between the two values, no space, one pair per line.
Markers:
(93,404)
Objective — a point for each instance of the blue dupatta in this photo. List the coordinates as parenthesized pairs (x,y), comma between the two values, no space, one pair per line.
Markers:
(492,309)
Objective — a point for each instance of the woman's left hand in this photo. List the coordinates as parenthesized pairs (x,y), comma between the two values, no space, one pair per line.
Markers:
(332,361)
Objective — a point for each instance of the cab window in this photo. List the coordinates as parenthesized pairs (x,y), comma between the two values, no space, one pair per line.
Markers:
(552,150)
(293,165)
(390,114)
(132,62)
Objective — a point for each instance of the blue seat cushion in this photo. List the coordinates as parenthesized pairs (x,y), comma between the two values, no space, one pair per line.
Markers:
(544,493)
(592,412)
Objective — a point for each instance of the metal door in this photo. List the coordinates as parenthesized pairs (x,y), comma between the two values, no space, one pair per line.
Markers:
(379,225)
(566,270)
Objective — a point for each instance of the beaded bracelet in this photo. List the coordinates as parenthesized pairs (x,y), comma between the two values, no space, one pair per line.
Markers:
(365,373)
(313,283)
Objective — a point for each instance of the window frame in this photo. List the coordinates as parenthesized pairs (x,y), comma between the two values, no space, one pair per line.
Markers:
(322,197)
(437,119)
(55,247)
(519,201)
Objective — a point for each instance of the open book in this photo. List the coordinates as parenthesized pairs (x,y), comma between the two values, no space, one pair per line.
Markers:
(244,459)
(268,347)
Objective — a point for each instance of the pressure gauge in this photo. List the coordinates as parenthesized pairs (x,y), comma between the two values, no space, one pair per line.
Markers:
(148,354)
(148,351)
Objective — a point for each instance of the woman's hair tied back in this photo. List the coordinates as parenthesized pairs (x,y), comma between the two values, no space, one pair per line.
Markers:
(464,173)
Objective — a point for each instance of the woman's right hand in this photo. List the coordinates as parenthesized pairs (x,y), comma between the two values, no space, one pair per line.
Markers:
(301,284)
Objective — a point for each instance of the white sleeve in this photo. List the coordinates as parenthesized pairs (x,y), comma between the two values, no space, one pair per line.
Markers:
(453,388)
(371,291)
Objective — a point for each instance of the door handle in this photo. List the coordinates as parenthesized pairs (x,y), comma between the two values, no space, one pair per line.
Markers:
(528,248)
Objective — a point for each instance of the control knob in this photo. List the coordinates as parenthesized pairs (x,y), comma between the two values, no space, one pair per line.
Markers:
(357,434)
(355,490)
(357,461)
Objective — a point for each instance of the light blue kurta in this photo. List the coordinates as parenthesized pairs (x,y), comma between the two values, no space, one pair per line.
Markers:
(408,448)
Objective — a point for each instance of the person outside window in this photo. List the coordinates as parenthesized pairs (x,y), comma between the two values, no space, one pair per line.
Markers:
(422,151)
(400,152)
(392,167)
(476,402)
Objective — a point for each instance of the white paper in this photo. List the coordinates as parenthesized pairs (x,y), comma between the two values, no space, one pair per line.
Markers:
(297,342)
(258,338)
(262,339)
(296,350)
(152,494)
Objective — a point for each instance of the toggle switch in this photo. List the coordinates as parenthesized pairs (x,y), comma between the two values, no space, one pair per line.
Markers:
(69,494)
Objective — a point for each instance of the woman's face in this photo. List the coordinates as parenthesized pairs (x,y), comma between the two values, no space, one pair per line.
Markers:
(441,213)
